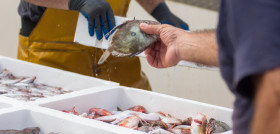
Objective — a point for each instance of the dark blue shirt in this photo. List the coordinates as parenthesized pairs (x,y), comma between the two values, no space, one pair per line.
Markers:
(249,44)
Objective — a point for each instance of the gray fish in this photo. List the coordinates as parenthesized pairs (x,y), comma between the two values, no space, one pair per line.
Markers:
(215,126)
(33,130)
(129,40)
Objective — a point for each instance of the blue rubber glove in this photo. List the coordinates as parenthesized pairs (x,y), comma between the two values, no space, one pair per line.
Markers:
(99,14)
(162,14)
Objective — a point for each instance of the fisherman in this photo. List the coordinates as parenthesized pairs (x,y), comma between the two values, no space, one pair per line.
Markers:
(47,34)
(248,43)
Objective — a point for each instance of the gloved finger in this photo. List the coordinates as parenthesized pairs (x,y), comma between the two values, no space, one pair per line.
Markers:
(111,19)
(167,22)
(185,27)
(111,23)
(90,24)
(97,27)
(104,25)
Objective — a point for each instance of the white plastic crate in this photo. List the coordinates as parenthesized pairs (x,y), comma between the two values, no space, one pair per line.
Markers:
(111,97)
(51,76)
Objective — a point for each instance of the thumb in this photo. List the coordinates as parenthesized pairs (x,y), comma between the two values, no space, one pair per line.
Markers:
(150,29)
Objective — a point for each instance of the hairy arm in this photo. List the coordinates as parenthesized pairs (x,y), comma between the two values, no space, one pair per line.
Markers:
(267,104)
(149,5)
(58,4)
(200,47)
(175,44)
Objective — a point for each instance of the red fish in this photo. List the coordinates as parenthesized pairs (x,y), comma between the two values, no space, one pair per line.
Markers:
(100,112)
(73,111)
(138,108)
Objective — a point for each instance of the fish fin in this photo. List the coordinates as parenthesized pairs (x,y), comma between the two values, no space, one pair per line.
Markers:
(114,29)
(140,51)
(111,32)
(103,58)
(118,54)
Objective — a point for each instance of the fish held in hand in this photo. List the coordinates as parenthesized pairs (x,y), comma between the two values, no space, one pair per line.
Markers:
(129,40)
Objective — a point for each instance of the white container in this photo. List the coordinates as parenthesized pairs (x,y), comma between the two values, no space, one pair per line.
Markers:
(111,97)
(4,105)
(51,76)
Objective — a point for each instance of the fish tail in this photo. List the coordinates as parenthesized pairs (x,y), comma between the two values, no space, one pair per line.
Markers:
(103,58)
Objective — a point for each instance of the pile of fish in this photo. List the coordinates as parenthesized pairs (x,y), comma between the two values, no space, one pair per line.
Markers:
(31,130)
(155,123)
(25,88)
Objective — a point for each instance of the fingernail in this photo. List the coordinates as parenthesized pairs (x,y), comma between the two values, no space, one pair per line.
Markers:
(144,25)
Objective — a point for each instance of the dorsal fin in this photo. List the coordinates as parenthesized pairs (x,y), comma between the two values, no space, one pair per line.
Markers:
(114,29)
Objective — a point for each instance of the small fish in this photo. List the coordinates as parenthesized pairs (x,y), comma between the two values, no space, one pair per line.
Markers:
(114,119)
(129,40)
(163,114)
(171,120)
(215,126)
(147,117)
(29,80)
(130,122)
(138,108)
(72,111)
(159,131)
(32,130)
(199,124)
(100,111)
(6,74)
(158,124)
(182,129)
(188,121)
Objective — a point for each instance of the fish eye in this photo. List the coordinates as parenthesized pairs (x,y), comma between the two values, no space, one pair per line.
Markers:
(133,33)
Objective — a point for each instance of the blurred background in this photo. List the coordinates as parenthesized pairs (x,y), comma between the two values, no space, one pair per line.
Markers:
(193,83)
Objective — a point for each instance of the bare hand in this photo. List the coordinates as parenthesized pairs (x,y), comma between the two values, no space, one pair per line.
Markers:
(176,44)
(164,53)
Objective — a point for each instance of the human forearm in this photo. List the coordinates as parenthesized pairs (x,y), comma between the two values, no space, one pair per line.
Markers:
(58,4)
(199,47)
(267,104)
(149,5)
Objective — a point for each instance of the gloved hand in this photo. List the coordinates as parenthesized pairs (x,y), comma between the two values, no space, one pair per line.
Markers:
(164,16)
(99,14)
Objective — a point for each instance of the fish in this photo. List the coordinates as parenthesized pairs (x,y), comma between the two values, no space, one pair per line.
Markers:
(31,130)
(168,119)
(138,108)
(129,40)
(6,74)
(130,122)
(159,131)
(214,127)
(182,129)
(72,111)
(100,111)
(137,118)
(188,121)
(114,119)
(171,120)
(199,123)
(25,88)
